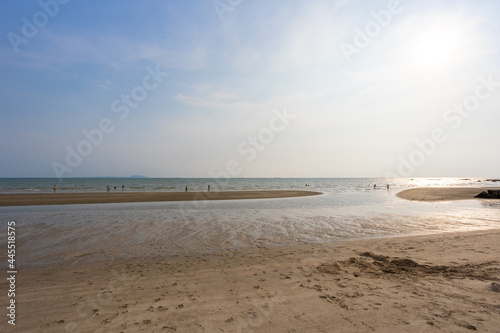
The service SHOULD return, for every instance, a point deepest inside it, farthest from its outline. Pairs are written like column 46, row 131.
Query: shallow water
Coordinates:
column 48, row 234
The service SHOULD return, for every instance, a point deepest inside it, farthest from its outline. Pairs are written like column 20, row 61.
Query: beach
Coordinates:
column 434, row 283
column 30, row 199
column 253, row 268
column 442, row 193
column 250, row 166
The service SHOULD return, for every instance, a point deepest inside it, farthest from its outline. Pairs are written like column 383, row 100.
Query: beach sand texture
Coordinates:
column 445, row 282
column 27, row 199
column 437, row 283
column 442, row 193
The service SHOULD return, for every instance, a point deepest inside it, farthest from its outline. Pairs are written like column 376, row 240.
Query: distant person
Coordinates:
column 123, row 187
column 186, row 189
column 115, row 188
column 55, row 188
column 208, row 188
column 387, row 186
column 108, row 188
column 374, row 186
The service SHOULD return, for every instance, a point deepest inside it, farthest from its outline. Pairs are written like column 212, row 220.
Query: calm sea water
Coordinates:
column 68, row 185
column 347, row 209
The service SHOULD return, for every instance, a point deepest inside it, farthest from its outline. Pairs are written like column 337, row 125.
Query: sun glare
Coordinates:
column 436, row 48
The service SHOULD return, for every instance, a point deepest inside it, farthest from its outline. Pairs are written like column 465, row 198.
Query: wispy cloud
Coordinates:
column 225, row 78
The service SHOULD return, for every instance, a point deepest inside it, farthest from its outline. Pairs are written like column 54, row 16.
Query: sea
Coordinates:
column 347, row 209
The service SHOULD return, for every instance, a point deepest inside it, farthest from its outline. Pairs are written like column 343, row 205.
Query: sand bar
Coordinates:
column 28, row 199
column 432, row 283
column 442, row 193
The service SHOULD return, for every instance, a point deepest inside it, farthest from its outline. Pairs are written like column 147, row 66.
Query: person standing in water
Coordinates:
column 55, row 187
column 186, row 189
column 208, row 188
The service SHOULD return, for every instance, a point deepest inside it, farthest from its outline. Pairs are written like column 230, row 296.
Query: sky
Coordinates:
column 240, row 88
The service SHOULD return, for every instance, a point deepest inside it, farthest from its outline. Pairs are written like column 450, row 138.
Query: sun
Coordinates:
column 436, row 48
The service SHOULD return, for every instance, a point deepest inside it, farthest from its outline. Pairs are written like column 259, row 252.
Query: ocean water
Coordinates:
column 347, row 209
column 67, row 185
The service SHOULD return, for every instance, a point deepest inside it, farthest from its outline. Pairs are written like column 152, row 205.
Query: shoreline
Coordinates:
column 443, row 282
column 35, row 199
column 435, row 194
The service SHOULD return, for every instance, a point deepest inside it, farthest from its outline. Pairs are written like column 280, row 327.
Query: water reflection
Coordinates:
column 58, row 233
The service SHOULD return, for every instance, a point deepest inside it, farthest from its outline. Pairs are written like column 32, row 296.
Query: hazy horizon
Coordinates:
column 270, row 177
column 250, row 89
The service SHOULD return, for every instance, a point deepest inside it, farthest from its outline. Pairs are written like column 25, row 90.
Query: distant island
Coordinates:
column 133, row 176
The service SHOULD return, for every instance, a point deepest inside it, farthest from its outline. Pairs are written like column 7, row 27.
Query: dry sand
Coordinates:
column 442, row 193
column 28, row 199
column 433, row 283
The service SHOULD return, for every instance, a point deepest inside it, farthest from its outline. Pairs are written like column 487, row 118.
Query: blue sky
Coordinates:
column 250, row 88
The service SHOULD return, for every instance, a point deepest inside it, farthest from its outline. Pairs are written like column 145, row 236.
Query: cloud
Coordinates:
column 225, row 79
column 56, row 50
column 220, row 100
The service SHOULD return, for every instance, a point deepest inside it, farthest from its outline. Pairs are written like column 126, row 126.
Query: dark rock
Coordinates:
column 495, row 287
column 485, row 195
column 494, row 193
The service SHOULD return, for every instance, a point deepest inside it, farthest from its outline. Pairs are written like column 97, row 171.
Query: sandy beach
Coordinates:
column 250, row 166
column 29, row 199
column 443, row 282
column 437, row 283
column 442, row 193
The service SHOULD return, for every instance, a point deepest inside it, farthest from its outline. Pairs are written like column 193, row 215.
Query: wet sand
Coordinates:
column 433, row 283
column 442, row 193
column 29, row 199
